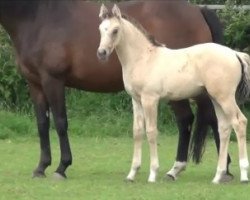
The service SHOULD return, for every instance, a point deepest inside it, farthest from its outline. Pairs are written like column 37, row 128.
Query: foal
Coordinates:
column 152, row 72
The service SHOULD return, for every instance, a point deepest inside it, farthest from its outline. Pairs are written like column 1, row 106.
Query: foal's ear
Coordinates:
column 116, row 12
column 103, row 12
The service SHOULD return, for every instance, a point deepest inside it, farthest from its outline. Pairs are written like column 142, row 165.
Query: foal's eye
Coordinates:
column 115, row 32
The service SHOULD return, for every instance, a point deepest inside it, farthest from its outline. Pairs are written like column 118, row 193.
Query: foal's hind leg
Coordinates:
column 42, row 115
column 55, row 93
column 224, row 128
column 206, row 116
column 150, row 106
column 138, row 129
column 184, row 119
column 239, row 123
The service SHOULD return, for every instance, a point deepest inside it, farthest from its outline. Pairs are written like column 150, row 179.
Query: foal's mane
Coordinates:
column 150, row 37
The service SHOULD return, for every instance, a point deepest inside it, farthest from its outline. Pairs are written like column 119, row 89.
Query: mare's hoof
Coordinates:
column 37, row 174
column 58, row 176
column 170, row 177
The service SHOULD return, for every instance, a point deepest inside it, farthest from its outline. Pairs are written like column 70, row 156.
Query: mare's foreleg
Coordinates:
column 55, row 93
column 150, row 106
column 184, row 118
column 138, row 130
column 41, row 108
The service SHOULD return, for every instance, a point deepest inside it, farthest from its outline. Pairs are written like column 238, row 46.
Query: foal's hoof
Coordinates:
column 38, row 174
column 59, row 177
column 170, row 177
column 225, row 178
column 245, row 182
column 129, row 180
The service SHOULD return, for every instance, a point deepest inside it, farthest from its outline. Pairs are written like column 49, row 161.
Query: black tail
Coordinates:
column 205, row 113
column 214, row 24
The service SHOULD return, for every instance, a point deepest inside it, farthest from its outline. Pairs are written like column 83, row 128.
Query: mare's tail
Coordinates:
column 205, row 114
column 243, row 89
column 214, row 24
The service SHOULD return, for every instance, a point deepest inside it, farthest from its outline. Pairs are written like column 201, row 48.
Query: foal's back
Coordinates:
column 198, row 67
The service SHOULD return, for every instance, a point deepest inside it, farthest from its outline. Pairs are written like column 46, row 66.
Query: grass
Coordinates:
column 100, row 135
column 100, row 166
column 89, row 114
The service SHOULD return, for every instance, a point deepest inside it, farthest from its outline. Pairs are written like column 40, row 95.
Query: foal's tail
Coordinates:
column 243, row 89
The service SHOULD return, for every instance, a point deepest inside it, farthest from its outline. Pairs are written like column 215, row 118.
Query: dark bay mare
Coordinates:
column 55, row 44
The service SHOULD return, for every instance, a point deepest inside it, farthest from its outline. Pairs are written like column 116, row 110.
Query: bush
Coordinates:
column 237, row 26
column 13, row 91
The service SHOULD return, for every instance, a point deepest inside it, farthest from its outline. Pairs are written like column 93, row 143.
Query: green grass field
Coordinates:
column 102, row 150
column 100, row 166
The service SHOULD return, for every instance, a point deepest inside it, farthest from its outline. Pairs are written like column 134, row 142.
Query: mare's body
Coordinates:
column 55, row 44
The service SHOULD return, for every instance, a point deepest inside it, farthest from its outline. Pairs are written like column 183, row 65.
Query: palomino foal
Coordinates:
column 152, row 71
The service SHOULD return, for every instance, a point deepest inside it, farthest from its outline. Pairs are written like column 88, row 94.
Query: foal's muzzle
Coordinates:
column 102, row 54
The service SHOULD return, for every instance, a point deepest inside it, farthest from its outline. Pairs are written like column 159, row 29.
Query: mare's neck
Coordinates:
column 133, row 45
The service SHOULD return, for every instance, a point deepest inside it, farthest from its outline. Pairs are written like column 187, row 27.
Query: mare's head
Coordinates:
column 110, row 31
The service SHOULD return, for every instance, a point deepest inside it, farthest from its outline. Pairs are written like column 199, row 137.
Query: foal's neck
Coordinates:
column 133, row 46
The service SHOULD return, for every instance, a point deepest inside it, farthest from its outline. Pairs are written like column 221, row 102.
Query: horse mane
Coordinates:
column 150, row 37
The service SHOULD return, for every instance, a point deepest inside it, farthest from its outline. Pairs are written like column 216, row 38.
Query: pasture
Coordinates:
column 101, row 143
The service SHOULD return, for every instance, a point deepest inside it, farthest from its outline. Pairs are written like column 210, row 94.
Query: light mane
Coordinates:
column 150, row 37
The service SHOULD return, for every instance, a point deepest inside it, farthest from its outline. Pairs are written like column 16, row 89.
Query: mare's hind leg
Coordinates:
column 42, row 115
column 150, row 106
column 184, row 118
column 55, row 93
column 138, row 130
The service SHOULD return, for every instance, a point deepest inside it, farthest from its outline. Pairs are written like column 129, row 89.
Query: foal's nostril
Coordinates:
column 102, row 52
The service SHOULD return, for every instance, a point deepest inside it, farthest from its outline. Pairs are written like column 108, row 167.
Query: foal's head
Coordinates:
column 110, row 31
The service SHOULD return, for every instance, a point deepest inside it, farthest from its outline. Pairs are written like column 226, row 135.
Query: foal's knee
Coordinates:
column 138, row 134
column 152, row 135
column 224, row 131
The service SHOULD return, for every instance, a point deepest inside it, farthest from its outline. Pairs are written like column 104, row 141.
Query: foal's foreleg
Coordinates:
column 150, row 105
column 42, row 115
column 138, row 129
